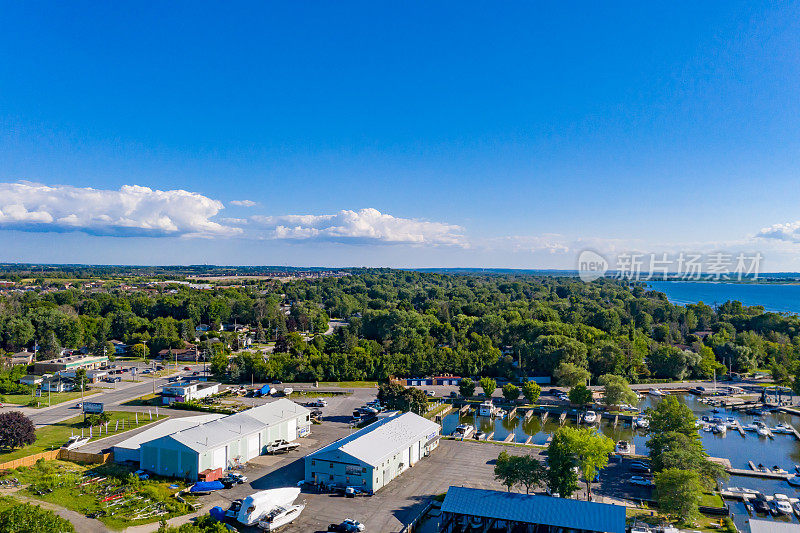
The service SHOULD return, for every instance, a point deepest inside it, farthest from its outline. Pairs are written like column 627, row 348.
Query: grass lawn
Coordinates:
column 651, row 516
column 148, row 400
column 712, row 500
column 55, row 435
column 349, row 384
column 59, row 482
column 55, row 398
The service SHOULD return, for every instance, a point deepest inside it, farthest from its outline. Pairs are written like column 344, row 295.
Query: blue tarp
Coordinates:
column 206, row 486
column 217, row 513
column 265, row 390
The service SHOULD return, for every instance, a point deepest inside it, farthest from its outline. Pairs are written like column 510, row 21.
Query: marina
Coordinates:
column 758, row 445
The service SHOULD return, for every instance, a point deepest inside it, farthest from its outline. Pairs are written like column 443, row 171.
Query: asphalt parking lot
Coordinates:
column 453, row 463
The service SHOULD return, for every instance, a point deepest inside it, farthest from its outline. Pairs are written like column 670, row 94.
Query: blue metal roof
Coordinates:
column 545, row 510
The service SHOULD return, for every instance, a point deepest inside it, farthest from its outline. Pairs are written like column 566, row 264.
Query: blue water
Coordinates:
column 774, row 297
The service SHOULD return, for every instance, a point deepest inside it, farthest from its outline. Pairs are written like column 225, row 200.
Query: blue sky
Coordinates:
column 413, row 134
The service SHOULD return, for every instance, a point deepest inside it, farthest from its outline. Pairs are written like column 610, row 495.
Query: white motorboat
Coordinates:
column 794, row 480
column 782, row 504
column 623, row 446
column 261, row 503
column 590, row 417
column 720, row 428
column 778, row 470
column 280, row 516
column 782, row 428
column 655, row 392
column 463, row 431
column 486, row 409
column 75, row 441
column 641, row 422
column 708, row 428
column 763, row 432
column 750, row 427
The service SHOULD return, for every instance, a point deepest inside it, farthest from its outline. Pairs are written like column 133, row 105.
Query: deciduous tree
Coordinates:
column 16, row 430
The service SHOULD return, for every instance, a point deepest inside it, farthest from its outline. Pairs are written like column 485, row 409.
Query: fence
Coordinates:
column 65, row 455
column 409, row 528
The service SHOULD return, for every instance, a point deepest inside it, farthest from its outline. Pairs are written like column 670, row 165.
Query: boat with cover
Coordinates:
column 261, row 503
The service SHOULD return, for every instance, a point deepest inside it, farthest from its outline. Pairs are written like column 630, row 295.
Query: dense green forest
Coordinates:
column 410, row 323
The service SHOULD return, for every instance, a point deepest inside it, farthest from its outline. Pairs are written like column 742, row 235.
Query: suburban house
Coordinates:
column 57, row 384
column 31, row 379
column 119, row 347
column 189, row 352
column 21, row 358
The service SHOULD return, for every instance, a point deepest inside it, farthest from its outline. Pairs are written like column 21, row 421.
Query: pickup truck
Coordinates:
column 281, row 446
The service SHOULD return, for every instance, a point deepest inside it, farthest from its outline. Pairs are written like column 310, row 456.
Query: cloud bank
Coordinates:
column 243, row 203
column 131, row 211
column 789, row 232
column 365, row 226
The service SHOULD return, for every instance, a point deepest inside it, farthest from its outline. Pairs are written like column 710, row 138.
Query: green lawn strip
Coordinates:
column 711, row 500
column 55, row 435
column 148, row 400
column 55, row 398
column 433, row 412
column 349, row 384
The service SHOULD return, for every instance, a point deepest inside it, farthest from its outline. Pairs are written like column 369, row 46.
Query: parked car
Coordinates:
column 640, row 468
column 430, row 393
column 453, row 394
column 640, row 481
column 141, row 474
column 187, row 368
column 347, row 526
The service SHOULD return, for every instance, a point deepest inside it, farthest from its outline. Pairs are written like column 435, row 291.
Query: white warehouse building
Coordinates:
column 374, row 455
column 225, row 442
column 130, row 448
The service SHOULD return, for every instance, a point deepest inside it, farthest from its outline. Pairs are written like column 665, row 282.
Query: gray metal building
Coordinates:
column 226, row 442
column 372, row 456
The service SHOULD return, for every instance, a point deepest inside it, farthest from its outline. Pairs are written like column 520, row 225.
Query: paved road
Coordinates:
column 124, row 392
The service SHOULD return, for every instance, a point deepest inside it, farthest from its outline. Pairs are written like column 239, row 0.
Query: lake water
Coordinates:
column 783, row 450
column 781, row 298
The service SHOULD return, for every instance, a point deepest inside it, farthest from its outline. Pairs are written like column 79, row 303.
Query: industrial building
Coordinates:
column 226, row 442
column 130, row 448
column 466, row 509
column 372, row 456
column 72, row 362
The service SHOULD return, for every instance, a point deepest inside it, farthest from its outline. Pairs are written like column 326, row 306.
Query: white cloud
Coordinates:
column 789, row 232
column 365, row 226
column 243, row 203
column 130, row 211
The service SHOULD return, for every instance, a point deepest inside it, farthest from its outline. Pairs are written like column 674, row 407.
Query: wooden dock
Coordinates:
column 756, row 473
column 529, row 439
column 510, row 438
column 616, row 420
column 464, row 409
column 562, row 418
column 512, row 414
column 738, row 427
column 544, row 415
column 490, row 435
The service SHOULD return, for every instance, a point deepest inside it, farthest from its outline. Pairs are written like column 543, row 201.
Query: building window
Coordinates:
column 330, row 477
column 330, row 465
column 312, row 462
column 364, row 469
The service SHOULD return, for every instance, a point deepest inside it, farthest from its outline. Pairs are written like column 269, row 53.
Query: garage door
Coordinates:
column 291, row 430
column 219, row 459
column 252, row 446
